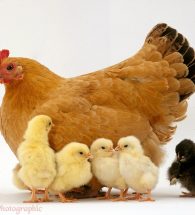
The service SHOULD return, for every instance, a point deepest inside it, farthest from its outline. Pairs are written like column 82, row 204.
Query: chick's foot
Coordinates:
column 185, row 194
column 136, row 196
column 148, row 198
column 34, row 198
column 122, row 196
column 107, row 195
column 86, row 192
column 46, row 197
column 64, row 199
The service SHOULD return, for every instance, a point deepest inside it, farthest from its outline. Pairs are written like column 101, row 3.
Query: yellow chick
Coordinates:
column 139, row 172
column 73, row 169
column 37, row 159
column 105, row 167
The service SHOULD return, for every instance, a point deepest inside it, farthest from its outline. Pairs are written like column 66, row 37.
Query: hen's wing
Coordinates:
column 85, row 109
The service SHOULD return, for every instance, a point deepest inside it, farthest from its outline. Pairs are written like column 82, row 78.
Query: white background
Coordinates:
column 73, row 37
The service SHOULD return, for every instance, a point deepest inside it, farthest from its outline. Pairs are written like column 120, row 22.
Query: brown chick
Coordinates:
column 141, row 96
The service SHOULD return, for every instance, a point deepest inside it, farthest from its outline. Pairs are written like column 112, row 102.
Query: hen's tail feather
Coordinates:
column 171, row 44
column 191, row 72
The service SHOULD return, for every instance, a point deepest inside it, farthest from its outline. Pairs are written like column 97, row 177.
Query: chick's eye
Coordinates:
column 81, row 153
column 10, row 67
column 102, row 147
column 49, row 123
column 125, row 146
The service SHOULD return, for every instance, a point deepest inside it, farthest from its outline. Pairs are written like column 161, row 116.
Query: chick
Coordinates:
column 182, row 169
column 139, row 172
column 73, row 169
column 105, row 167
column 37, row 159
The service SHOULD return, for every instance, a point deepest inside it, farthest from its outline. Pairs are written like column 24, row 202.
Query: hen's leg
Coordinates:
column 34, row 198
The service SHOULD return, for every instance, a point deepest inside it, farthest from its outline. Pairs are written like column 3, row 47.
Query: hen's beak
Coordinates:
column 118, row 148
column 89, row 156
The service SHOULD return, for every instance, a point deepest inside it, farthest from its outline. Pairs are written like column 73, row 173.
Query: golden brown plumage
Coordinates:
column 140, row 96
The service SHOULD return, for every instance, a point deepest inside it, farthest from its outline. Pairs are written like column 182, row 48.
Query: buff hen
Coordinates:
column 141, row 96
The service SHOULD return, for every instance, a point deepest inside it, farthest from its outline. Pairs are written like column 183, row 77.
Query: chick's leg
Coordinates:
column 122, row 196
column 148, row 198
column 46, row 196
column 63, row 199
column 137, row 196
column 34, row 198
column 107, row 195
column 185, row 194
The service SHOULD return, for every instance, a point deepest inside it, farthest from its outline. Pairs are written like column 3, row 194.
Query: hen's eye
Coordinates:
column 125, row 146
column 102, row 147
column 10, row 67
column 81, row 153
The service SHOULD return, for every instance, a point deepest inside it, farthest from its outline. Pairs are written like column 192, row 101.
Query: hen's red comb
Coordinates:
column 4, row 53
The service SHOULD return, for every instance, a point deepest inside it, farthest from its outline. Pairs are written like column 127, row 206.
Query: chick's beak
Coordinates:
column 89, row 156
column 118, row 148
column 180, row 158
column 111, row 149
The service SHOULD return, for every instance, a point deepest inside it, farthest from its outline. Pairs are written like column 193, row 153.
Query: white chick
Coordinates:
column 37, row 159
column 105, row 167
column 137, row 169
column 73, row 169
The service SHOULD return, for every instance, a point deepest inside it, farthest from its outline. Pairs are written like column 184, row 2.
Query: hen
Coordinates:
column 141, row 96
